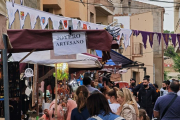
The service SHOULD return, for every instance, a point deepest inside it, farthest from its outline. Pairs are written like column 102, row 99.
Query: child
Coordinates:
column 143, row 115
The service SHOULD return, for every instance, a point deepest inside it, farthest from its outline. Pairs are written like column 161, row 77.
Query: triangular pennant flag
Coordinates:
column 65, row 24
column 33, row 18
column 75, row 24
column 126, row 34
column 151, row 36
column 11, row 12
column 135, row 32
column 55, row 21
column 22, row 15
column 159, row 37
column 173, row 37
column 84, row 26
column 144, row 37
column 178, row 38
column 166, row 38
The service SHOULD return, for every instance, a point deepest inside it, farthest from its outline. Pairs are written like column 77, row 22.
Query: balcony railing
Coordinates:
column 105, row 3
column 138, row 49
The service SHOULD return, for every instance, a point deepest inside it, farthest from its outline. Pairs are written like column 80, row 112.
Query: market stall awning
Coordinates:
column 46, row 58
column 26, row 40
column 116, row 58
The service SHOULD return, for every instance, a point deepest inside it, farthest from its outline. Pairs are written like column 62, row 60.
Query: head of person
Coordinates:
column 105, row 81
column 174, row 86
column 146, row 82
column 113, row 95
column 96, row 103
column 81, row 97
column 125, row 96
column 147, row 76
column 143, row 115
column 87, row 81
column 156, row 86
column 165, row 84
column 132, row 82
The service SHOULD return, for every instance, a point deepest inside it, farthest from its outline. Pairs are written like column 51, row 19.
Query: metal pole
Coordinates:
column 5, row 79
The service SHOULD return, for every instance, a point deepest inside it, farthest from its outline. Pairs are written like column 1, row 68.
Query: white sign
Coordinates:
column 66, row 44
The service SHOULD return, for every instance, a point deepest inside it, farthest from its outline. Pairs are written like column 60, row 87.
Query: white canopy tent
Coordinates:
column 47, row 58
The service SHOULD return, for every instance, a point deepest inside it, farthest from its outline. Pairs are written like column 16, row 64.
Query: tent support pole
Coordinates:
column 27, row 55
column 5, row 79
column 56, row 92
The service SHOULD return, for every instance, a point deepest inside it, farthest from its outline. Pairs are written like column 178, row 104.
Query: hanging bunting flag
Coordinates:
column 55, row 21
column 151, row 36
column 11, row 12
column 44, row 19
column 22, row 15
column 178, row 38
column 65, row 23
column 159, row 37
column 135, row 32
column 173, row 37
column 84, row 27
column 33, row 17
column 144, row 37
column 75, row 24
column 166, row 38
column 126, row 34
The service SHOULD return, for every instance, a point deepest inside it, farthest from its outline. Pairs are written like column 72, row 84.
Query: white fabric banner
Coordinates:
column 66, row 44
column 126, row 34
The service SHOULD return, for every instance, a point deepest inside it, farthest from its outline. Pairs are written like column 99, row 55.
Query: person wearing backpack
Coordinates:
column 167, row 106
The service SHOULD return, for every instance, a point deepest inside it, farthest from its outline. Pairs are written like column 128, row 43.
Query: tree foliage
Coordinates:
column 176, row 57
column 170, row 52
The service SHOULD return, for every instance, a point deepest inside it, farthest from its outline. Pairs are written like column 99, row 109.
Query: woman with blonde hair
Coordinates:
column 129, row 107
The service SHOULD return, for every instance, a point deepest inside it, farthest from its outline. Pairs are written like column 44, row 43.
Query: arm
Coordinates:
column 154, row 96
column 139, row 97
column 127, row 114
column 136, row 89
column 156, row 109
column 156, row 114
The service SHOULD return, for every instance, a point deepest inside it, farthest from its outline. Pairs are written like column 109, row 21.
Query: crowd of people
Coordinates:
column 144, row 101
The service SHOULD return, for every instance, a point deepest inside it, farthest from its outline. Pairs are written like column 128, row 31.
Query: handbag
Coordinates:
column 165, row 110
column 115, row 77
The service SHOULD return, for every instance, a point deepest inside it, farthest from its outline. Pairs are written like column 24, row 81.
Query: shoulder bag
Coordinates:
column 165, row 110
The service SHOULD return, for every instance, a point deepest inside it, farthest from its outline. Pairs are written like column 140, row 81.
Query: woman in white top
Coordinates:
column 113, row 99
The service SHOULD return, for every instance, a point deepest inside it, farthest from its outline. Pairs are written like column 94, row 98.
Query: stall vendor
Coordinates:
column 61, row 115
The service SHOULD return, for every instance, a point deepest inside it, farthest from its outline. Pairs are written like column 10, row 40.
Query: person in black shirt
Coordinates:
column 140, row 85
column 146, row 97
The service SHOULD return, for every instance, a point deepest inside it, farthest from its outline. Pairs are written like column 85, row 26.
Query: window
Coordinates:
column 138, row 49
column 91, row 17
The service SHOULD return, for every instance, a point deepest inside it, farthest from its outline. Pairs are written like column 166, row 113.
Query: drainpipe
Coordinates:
column 129, row 5
column 121, row 9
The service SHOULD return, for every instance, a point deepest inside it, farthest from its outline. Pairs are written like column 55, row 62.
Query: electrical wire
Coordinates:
column 121, row 7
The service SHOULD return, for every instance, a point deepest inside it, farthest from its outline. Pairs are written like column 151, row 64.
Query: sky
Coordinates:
column 169, row 13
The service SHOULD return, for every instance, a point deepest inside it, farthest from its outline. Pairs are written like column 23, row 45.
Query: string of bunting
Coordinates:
column 60, row 22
